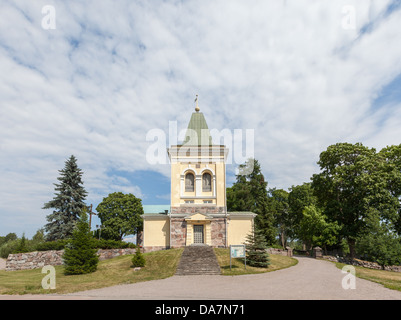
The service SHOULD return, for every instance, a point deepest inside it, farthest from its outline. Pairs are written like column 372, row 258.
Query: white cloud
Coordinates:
column 112, row 71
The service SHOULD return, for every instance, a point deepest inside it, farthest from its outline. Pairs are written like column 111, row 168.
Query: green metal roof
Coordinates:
column 155, row 208
column 241, row 213
column 198, row 133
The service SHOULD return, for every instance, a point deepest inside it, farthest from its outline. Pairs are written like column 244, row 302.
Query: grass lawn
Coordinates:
column 159, row 265
column 389, row 279
column 238, row 266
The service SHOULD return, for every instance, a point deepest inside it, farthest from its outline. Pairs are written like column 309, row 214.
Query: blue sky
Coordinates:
column 302, row 74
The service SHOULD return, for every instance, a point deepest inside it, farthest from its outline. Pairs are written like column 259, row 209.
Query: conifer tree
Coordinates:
column 80, row 255
column 22, row 245
column 256, row 254
column 67, row 203
column 138, row 259
column 249, row 193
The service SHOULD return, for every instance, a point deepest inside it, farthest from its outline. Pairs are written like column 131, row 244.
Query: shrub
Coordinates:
column 256, row 254
column 22, row 245
column 52, row 245
column 98, row 244
column 112, row 244
column 138, row 260
column 8, row 247
column 79, row 255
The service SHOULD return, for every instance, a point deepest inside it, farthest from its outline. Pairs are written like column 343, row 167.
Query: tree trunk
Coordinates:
column 283, row 239
column 351, row 244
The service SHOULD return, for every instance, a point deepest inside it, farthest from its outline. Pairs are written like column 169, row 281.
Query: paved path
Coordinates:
column 2, row 264
column 309, row 279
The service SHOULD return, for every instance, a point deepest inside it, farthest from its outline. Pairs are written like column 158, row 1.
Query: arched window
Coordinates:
column 206, row 182
column 189, row 182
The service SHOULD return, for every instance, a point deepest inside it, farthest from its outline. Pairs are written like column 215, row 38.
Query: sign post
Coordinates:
column 237, row 251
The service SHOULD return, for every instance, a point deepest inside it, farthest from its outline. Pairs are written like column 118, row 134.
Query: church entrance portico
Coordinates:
column 198, row 229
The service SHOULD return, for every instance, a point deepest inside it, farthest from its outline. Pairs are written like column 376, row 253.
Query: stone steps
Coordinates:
column 198, row 260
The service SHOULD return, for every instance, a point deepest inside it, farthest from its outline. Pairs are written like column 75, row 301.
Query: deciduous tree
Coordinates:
column 120, row 215
column 353, row 181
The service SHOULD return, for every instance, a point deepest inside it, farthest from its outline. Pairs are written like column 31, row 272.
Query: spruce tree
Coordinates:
column 80, row 255
column 249, row 193
column 67, row 203
column 138, row 259
column 256, row 250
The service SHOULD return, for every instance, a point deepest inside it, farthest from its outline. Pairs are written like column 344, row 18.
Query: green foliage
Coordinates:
column 353, row 180
column 112, row 244
column 120, row 214
column 38, row 237
column 98, row 244
column 12, row 244
column 67, row 203
column 315, row 230
column 138, row 259
column 249, row 193
column 9, row 237
column 22, row 245
column 299, row 198
column 80, row 255
column 8, row 247
column 52, row 245
column 256, row 246
column 278, row 206
column 379, row 243
column 390, row 158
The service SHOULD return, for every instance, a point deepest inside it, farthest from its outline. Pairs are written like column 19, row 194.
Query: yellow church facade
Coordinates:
column 198, row 210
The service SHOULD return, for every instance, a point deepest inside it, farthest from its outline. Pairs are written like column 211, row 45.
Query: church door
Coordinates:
column 198, row 233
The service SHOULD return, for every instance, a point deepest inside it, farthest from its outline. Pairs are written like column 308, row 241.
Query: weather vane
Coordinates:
column 196, row 106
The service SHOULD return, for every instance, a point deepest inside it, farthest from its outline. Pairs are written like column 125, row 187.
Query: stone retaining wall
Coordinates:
column 362, row 263
column 154, row 248
column 39, row 259
column 284, row 252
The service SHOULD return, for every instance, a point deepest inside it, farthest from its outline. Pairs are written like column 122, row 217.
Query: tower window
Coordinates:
column 189, row 182
column 206, row 182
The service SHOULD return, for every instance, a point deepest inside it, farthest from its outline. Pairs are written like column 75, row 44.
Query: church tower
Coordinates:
column 198, row 170
column 197, row 213
column 198, row 186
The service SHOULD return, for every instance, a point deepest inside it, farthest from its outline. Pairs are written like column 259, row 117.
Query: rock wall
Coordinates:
column 154, row 248
column 362, row 263
column 34, row 260
column 178, row 232
column 39, row 259
column 284, row 252
column 218, row 232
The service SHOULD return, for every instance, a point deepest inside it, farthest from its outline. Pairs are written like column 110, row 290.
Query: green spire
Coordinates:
column 198, row 133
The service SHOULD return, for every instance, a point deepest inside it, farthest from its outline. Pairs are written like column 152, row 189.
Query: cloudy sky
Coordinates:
column 93, row 78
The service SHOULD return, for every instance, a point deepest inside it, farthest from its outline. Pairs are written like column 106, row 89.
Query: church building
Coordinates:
column 198, row 210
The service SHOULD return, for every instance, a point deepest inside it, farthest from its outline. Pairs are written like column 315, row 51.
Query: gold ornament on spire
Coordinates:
column 196, row 106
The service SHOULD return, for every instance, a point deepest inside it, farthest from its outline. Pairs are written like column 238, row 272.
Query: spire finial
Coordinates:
column 196, row 106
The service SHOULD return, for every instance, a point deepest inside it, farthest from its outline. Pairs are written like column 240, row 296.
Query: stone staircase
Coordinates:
column 198, row 260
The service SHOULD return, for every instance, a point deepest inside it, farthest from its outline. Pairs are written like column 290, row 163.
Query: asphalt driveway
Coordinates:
column 309, row 279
